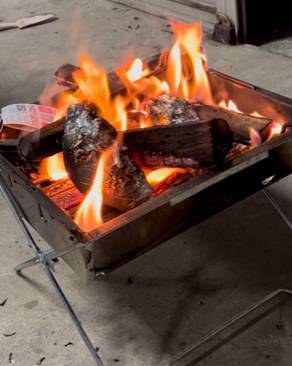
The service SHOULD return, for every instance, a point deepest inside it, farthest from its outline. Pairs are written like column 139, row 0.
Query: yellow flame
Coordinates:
column 53, row 167
column 276, row 130
column 89, row 214
column 136, row 70
column 174, row 68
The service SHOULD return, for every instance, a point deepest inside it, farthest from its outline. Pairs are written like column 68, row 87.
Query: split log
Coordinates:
column 47, row 141
column 186, row 144
column 86, row 137
column 238, row 122
column 64, row 74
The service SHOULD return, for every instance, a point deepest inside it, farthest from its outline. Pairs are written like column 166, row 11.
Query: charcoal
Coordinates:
column 154, row 159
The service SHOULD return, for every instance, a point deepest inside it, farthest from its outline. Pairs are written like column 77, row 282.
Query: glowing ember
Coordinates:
column 53, row 167
column 89, row 214
column 158, row 176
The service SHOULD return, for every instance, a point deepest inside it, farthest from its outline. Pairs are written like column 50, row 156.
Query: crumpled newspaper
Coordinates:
column 26, row 117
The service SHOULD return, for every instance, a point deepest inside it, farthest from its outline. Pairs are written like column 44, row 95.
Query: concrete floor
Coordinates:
column 280, row 46
column 184, row 288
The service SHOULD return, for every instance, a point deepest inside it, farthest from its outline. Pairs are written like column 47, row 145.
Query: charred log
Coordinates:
column 48, row 140
column 238, row 122
column 43, row 142
column 86, row 137
column 186, row 144
column 167, row 109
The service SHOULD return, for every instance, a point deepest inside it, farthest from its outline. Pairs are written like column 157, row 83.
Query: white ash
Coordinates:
column 167, row 109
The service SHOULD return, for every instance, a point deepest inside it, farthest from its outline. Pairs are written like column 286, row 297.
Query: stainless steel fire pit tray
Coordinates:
column 137, row 231
column 144, row 227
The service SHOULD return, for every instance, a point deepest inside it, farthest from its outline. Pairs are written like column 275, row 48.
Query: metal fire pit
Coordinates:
column 162, row 217
column 144, row 227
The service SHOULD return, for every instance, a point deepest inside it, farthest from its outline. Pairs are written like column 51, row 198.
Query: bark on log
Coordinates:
column 48, row 140
column 185, row 144
column 238, row 122
column 43, row 142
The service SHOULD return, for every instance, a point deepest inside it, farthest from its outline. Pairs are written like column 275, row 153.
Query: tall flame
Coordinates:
column 89, row 213
column 190, row 61
column 185, row 76
column 53, row 167
column 174, row 68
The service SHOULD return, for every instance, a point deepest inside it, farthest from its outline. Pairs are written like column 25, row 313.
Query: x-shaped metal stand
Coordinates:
column 46, row 260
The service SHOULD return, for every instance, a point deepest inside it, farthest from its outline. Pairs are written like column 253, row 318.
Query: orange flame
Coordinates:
column 89, row 213
column 185, row 77
column 230, row 105
column 276, row 130
column 256, row 114
column 136, row 70
column 255, row 137
column 174, row 68
column 187, row 63
column 53, row 167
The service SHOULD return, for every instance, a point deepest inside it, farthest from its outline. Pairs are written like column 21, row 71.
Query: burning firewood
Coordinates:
column 239, row 123
column 186, row 144
column 43, row 142
column 167, row 109
column 86, row 137
column 159, row 111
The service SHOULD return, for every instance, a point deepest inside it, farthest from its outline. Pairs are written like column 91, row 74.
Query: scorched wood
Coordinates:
column 238, row 122
column 47, row 141
column 43, row 142
column 185, row 144
column 86, row 137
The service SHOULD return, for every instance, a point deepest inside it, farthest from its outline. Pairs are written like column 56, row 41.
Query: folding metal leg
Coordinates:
column 195, row 352
column 277, row 208
column 46, row 260
column 208, row 344
column 224, row 333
